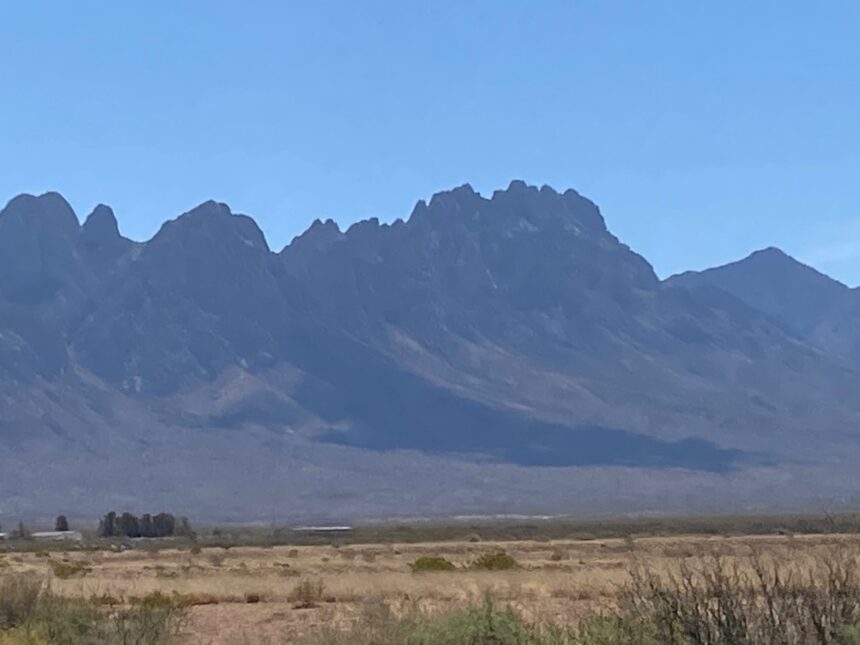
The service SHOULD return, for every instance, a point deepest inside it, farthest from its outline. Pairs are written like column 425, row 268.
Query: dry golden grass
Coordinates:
column 243, row 594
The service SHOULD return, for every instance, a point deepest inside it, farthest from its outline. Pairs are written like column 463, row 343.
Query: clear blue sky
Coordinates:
column 704, row 130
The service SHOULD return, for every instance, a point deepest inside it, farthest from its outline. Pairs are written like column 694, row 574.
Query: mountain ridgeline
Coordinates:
column 512, row 335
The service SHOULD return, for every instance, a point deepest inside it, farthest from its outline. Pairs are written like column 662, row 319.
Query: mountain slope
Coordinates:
column 512, row 335
column 526, row 301
column 817, row 308
column 775, row 283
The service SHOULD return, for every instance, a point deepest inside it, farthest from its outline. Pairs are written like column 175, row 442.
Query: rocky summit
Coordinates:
column 494, row 354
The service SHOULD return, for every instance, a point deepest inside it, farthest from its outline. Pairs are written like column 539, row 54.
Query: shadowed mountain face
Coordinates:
column 503, row 332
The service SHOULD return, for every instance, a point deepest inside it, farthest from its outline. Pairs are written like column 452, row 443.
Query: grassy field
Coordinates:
column 318, row 593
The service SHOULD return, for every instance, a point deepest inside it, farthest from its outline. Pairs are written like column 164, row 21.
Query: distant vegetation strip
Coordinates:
column 179, row 531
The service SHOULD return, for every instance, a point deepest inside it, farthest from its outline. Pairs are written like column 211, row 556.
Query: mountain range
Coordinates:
column 502, row 354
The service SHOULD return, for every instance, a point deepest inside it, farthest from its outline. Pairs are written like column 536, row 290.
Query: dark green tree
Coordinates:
column 22, row 532
column 147, row 528
column 129, row 525
column 61, row 523
column 108, row 526
column 165, row 524
column 184, row 528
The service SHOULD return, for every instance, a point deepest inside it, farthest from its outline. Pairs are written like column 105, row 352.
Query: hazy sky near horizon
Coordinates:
column 704, row 130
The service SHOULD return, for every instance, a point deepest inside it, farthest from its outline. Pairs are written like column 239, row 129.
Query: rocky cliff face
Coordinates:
column 514, row 329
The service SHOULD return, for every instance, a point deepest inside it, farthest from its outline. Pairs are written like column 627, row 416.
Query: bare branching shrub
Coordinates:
column 376, row 623
column 487, row 624
column 759, row 601
column 155, row 600
column 158, row 626
column 307, row 594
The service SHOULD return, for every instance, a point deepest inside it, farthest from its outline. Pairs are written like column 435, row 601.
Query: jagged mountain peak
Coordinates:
column 318, row 236
column 328, row 225
column 446, row 205
column 519, row 207
column 100, row 242
column 37, row 248
column 364, row 229
column 215, row 223
column 100, row 226
column 545, row 206
column 210, row 207
column 48, row 211
column 513, row 327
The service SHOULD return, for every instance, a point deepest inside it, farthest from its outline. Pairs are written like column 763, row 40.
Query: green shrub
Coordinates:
column 144, row 625
column 499, row 561
column 31, row 614
column 615, row 630
column 65, row 570
column 485, row 624
column 431, row 563
column 105, row 599
column 377, row 624
column 19, row 597
column 64, row 621
column 849, row 636
column 156, row 600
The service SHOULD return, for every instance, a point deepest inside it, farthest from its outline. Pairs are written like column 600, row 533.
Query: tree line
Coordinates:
column 149, row 526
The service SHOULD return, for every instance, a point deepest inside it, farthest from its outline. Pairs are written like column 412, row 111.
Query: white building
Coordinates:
column 70, row 536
